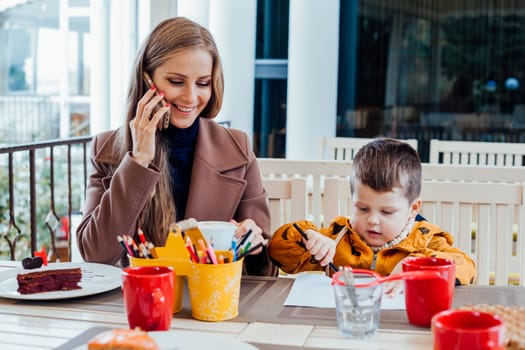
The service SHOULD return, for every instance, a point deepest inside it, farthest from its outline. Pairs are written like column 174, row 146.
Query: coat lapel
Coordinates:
column 217, row 182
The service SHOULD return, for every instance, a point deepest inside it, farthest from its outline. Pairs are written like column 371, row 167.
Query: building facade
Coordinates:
column 295, row 70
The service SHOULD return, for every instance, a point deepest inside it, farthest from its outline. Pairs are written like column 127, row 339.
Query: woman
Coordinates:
column 149, row 176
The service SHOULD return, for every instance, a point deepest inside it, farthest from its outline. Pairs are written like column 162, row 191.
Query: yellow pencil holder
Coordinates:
column 214, row 290
column 174, row 254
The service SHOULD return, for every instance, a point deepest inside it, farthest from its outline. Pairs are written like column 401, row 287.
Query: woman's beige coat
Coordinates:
column 226, row 184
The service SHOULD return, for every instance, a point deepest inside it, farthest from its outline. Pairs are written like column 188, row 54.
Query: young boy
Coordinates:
column 385, row 227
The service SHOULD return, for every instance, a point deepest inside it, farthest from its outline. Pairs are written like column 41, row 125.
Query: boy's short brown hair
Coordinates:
column 386, row 163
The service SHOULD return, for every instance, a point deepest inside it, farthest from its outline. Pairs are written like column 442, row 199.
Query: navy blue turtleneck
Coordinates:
column 181, row 148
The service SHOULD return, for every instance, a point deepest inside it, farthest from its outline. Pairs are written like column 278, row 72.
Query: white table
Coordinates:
column 263, row 322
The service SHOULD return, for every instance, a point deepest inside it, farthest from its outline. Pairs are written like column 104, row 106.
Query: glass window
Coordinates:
column 272, row 29
column 79, row 42
column 44, row 90
column 19, row 59
column 270, row 118
column 432, row 69
column 270, row 78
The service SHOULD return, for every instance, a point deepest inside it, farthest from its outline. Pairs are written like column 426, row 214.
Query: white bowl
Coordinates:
column 220, row 233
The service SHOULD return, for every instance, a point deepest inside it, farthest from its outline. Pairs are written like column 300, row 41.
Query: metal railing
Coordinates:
column 30, row 209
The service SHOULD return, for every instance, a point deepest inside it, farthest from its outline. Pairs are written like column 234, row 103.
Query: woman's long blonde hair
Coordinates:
column 168, row 38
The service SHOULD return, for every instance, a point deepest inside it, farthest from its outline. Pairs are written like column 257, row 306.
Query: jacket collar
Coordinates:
column 418, row 238
column 107, row 152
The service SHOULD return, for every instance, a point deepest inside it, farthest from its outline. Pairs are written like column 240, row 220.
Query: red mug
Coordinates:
column 148, row 297
column 426, row 297
column 465, row 329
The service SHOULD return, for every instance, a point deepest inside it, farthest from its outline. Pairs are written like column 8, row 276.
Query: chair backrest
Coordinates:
column 313, row 170
column 337, row 200
column 345, row 148
column 481, row 217
column 287, row 200
column 477, row 153
column 469, row 173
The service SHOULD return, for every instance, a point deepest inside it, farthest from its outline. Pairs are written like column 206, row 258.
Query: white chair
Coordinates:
column 287, row 200
column 463, row 156
column 469, row 173
column 336, row 200
column 345, row 148
column 493, row 207
column 453, row 206
column 313, row 170
column 476, row 153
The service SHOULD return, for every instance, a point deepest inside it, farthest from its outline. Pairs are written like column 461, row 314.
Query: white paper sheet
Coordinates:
column 315, row 290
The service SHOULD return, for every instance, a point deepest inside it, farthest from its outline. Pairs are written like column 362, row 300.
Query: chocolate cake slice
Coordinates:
column 49, row 280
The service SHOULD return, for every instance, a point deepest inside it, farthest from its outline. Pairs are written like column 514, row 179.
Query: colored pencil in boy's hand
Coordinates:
column 332, row 267
column 300, row 230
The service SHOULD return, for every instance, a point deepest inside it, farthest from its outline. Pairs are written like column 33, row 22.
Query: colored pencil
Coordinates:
column 330, row 264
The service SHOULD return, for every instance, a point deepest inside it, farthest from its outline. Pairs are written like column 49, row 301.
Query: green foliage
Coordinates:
column 21, row 194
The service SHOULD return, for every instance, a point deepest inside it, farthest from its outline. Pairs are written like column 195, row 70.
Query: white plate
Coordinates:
column 96, row 278
column 186, row 340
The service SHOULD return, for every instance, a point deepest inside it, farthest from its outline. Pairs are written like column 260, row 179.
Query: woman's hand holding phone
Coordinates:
column 144, row 126
column 165, row 122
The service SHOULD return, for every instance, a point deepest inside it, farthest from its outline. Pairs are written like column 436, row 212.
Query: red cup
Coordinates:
column 464, row 329
column 148, row 297
column 426, row 297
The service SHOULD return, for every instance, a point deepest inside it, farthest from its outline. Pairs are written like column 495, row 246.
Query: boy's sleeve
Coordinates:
column 287, row 250
column 441, row 247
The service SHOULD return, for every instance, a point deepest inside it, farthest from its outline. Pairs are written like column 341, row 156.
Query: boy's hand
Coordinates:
column 321, row 247
column 392, row 289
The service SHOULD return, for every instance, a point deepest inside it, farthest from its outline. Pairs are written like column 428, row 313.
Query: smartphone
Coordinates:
column 165, row 121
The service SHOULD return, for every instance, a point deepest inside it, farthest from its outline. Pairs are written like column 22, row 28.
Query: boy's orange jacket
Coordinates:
column 288, row 252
